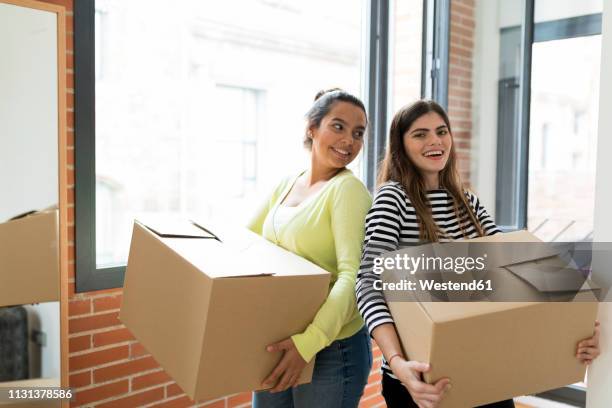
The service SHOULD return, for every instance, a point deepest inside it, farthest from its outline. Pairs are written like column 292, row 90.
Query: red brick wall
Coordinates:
column 460, row 80
column 107, row 366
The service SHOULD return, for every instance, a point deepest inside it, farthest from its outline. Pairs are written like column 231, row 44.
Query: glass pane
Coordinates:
column 199, row 109
column 405, row 51
column 563, row 123
column 563, row 134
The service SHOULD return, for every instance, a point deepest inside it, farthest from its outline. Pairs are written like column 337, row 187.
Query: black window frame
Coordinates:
column 435, row 53
column 376, row 85
column 88, row 276
column 512, row 190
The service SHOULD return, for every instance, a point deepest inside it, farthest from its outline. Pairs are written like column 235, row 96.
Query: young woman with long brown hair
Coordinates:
column 420, row 199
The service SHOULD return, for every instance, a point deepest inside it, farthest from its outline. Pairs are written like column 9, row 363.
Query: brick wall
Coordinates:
column 107, row 366
column 460, row 80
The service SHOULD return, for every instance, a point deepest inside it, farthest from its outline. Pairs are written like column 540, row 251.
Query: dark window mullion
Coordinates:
column 376, row 86
column 88, row 276
column 524, row 113
column 441, row 48
column 435, row 51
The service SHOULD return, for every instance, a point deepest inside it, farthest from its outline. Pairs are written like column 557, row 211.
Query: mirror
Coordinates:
column 32, row 140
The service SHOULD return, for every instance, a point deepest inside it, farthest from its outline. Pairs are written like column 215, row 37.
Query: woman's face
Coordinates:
column 428, row 143
column 339, row 137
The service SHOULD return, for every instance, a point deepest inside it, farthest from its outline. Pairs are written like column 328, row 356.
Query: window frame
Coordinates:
column 376, row 84
column 531, row 32
column 436, row 42
column 88, row 276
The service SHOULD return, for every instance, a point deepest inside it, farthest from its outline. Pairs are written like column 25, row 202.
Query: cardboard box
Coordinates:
column 206, row 304
column 29, row 259
column 493, row 351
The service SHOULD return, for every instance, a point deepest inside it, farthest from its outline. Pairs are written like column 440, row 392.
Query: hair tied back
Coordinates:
column 325, row 91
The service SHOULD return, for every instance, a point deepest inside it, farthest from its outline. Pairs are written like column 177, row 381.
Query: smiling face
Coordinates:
column 428, row 144
column 339, row 138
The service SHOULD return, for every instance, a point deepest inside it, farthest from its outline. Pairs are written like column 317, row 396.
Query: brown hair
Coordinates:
column 323, row 103
column 397, row 166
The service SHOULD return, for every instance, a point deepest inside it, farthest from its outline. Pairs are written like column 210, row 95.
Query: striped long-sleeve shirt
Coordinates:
column 392, row 224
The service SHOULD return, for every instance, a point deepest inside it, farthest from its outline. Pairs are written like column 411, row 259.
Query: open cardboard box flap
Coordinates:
column 552, row 278
column 175, row 228
column 226, row 252
column 32, row 213
column 504, row 249
column 538, row 265
column 202, row 249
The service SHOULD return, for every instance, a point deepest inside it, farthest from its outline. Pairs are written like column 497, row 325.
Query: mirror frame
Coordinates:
column 63, row 170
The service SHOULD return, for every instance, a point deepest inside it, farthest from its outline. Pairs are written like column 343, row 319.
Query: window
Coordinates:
column 183, row 111
column 549, row 131
column 561, row 195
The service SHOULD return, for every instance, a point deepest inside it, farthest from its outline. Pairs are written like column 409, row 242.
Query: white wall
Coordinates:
column 599, row 392
column 28, row 110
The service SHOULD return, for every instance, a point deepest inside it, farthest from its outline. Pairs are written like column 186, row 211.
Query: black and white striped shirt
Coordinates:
column 392, row 224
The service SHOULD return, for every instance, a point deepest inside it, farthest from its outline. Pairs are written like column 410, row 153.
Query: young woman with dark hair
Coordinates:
column 319, row 215
column 420, row 199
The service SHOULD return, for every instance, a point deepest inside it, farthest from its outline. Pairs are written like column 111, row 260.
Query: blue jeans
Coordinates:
column 340, row 374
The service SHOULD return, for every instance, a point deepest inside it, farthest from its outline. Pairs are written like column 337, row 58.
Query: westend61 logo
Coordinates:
column 423, row 263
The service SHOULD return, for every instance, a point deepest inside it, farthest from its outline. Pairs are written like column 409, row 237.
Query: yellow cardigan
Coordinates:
column 328, row 230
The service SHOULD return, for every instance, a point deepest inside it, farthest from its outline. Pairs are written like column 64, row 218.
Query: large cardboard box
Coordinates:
column 206, row 304
column 493, row 351
column 29, row 259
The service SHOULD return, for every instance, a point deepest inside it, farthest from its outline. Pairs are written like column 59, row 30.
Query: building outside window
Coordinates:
column 199, row 110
